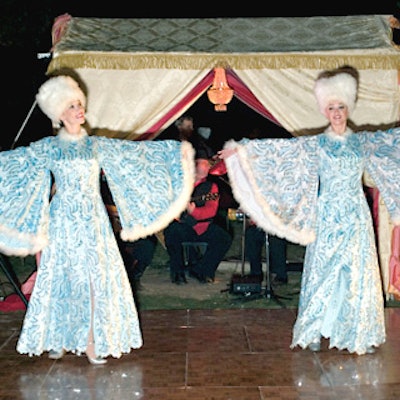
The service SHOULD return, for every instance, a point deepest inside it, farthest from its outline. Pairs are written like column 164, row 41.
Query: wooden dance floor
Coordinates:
column 238, row 354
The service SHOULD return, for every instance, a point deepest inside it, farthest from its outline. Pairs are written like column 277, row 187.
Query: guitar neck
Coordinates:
column 205, row 197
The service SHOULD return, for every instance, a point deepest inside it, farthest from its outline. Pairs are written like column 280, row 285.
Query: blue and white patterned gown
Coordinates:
column 309, row 190
column 151, row 183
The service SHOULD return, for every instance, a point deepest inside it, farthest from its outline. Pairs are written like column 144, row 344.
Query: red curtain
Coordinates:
column 242, row 93
column 245, row 95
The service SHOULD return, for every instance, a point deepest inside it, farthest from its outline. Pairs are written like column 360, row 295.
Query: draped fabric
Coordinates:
column 388, row 241
column 243, row 93
column 80, row 263
column 309, row 190
column 179, row 108
column 394, row 264
column 288, row 95
column 129, row 104
column 126, row 104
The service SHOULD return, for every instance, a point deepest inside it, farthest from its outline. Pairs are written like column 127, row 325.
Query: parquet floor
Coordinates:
column 240, row 354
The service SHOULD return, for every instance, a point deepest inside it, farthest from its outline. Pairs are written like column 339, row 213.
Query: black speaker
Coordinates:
column 244, row 284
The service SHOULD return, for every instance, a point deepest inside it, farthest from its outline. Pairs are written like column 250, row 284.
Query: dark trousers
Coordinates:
column 137, row 256
column 218, row 241
column 255, row 240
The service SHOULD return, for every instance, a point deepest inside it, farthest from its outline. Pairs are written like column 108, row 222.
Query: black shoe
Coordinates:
column 209, row 279
column 176, row 278
column 183, row 277
column 179, row 278
column 279, row 281
column 195, row 275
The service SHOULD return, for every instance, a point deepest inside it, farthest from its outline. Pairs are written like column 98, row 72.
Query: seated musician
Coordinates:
column 197, row 224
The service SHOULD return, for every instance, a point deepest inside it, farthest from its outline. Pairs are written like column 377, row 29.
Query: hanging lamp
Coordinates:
column 220, row 94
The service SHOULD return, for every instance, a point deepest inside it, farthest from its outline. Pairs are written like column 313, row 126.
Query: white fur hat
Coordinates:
column 56, row 94
column 337, row 85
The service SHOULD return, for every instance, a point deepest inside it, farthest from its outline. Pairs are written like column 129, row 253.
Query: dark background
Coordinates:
column 25, row 31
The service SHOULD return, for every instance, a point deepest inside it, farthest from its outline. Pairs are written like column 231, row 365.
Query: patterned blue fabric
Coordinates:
column 310, row 191
column 151, row 183
column 276, row 183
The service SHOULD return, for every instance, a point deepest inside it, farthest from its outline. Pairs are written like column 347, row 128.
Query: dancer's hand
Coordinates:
column 225, row 153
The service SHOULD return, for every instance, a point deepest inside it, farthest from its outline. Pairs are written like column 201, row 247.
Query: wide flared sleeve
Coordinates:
column 275, row 181
column 150, row 181
column 382, row 154
column 24, row 198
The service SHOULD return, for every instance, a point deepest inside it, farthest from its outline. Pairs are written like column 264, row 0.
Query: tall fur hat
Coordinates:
column 340, row 84
column 56, row 94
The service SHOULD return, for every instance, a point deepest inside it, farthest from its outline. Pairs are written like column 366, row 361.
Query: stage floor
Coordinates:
column 207, row 354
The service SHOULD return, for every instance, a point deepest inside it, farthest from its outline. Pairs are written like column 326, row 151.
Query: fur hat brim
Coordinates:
column 341, row 87
column 55, row 96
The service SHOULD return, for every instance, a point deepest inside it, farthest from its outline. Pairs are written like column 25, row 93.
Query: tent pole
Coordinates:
column 24, row 123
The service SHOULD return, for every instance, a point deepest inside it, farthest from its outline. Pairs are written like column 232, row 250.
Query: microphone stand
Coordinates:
column 268, row 288
column 243, row 242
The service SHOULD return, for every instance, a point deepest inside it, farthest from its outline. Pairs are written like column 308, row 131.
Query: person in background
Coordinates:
column 137, row 257
column 316, row 198
column 255, row 240
column 196, row 224
column 82, row 301
column 186, row 131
